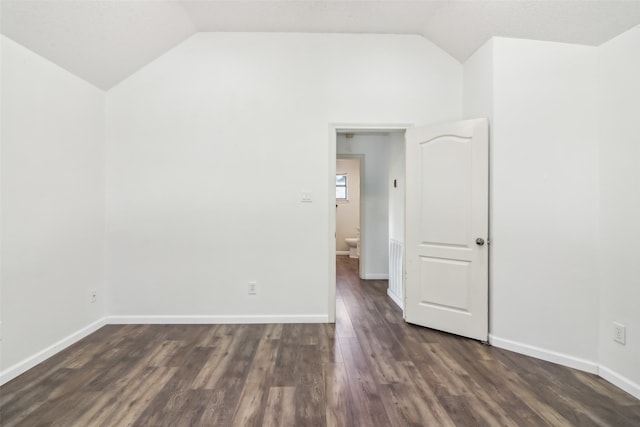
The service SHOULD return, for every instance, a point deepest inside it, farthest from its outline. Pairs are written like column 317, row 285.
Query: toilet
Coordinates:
column 354, row 244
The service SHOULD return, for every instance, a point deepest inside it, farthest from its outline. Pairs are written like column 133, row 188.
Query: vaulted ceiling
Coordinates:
column 103, row 42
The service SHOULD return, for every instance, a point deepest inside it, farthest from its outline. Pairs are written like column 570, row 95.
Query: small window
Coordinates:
column 341, row 187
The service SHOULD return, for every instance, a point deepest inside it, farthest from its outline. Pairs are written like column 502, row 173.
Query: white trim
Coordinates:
column 342, row 252
column 30, row 362
column 331, row 223
column 376, row 276
column 605, row 373
column 395, row 298
column 213, row 320
column 619, row 381
column 544, row 354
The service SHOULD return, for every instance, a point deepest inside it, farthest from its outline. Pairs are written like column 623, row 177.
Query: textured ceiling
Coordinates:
column 103, row 42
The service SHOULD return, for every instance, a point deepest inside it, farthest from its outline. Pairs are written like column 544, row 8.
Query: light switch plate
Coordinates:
column 306, row 197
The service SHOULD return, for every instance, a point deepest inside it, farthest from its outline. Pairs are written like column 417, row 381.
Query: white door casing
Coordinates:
column 447, row 223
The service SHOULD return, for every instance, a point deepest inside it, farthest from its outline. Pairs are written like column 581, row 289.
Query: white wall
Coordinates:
column 201, row 181
column 348, row 211
column 545, row 196
column 478, row 94
column 619, row 66
column 374, row 220
column 540, row 97
column 52, row 206
column 396, row 217
column 396, row 194
column 478, row 84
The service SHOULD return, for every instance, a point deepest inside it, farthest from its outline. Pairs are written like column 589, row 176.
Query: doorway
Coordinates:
column 381, row 150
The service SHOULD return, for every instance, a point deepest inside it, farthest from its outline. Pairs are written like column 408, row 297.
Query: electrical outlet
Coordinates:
column 93, row 294
column 619, row 333
column 252, row 289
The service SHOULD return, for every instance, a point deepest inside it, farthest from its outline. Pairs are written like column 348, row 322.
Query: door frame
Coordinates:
column 334, row 128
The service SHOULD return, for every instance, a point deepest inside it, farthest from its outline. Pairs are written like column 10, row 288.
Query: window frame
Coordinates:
column 345, row 186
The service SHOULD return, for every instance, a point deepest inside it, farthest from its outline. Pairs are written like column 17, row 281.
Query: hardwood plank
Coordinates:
column 410, row 375
column 20, row 403
column 242, row 353
column 405, row 406
column 170, row 399
column 328, row 349
column 164, row 353
column 380, row 358
column 215, row 368
column 280, row 408
column 310, row 404
column 283, row 371
column 254, row 394
column 368, row 409
column 339, row 406
column 133, row 404
column 344, row 327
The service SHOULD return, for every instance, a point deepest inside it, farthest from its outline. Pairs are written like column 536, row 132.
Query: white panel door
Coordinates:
column 447, row 222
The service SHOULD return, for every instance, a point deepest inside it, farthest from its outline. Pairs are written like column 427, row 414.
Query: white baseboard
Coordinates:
column 603, row 372
column 619, row 381
column 342, row 252
column 395, row 298
column 21, row 367
column 248, row 319
column 544, row 354
column 375, row 276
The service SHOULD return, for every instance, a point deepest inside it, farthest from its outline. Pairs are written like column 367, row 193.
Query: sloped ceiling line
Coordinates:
column 105, row 41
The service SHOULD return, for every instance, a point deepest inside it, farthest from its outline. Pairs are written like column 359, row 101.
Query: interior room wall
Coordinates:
column 396, row 217
column 540, row 98
column 478, row 85
column 52, row 196
column 374, row 219
column 348, row 211
column 478, row 94
column 396, row 194
column 210, row 147
column 545, row 197
column 619, row 110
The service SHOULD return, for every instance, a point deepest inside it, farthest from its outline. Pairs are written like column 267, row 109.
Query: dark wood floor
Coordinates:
column 369, row 369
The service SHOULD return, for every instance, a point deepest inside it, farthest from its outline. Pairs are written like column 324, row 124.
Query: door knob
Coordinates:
column 479, row 241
